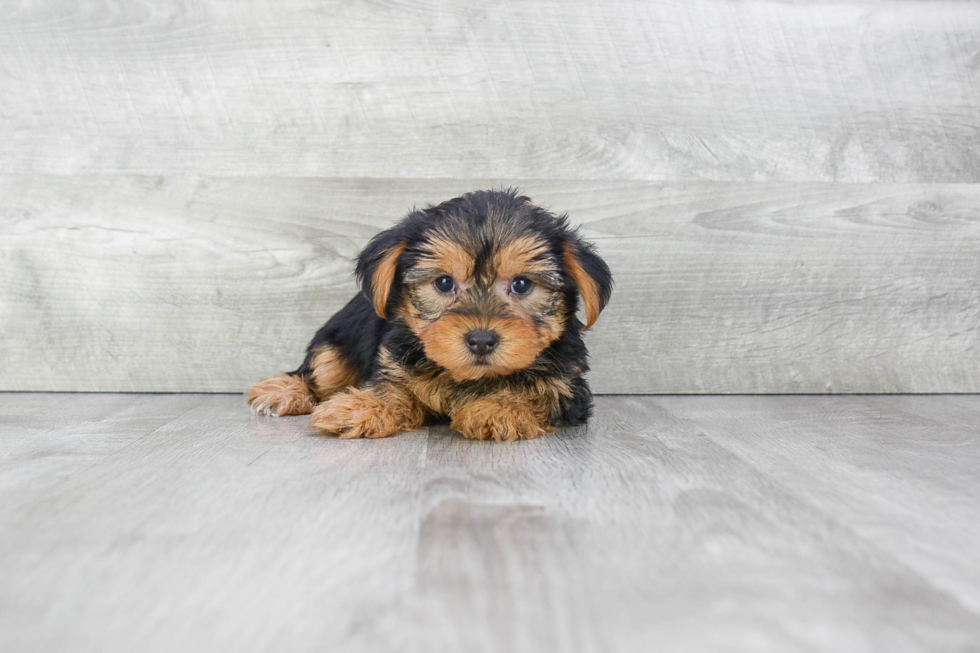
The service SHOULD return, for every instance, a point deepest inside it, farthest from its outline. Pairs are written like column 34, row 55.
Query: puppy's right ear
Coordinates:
column 377, row 266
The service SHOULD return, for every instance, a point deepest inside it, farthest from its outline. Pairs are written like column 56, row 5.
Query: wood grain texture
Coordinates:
column 132, row 283
column 526, row 89
column 880, row 461
column 783, row 524
column 164, row 535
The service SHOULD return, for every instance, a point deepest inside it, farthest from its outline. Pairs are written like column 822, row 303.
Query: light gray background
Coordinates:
column 786, row 192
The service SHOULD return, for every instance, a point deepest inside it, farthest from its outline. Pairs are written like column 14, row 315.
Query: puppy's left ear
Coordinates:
column 377, row 265
column 590, row 274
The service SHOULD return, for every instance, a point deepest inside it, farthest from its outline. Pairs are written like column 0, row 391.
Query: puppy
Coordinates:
column 468, row 314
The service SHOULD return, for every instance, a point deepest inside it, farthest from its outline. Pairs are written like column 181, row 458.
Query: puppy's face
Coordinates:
column 484, row 311
column 485, row 282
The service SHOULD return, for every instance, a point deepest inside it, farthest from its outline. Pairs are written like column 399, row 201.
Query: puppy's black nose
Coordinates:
column 481, row 341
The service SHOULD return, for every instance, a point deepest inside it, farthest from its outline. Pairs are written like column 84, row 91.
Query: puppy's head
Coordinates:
column 485, row 281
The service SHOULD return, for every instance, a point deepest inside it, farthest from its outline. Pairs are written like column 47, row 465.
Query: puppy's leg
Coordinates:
column 373, row 412
column 286, row 394
column 330, row 372
column 298, row 394
column 343, row 351
column 504, row 417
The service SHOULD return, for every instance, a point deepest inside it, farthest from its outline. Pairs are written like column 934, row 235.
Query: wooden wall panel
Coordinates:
column 208, row 283
column 787, row 191
column 522, row 89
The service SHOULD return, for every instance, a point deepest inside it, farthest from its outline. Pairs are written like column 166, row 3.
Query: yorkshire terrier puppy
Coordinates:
column 468, row 315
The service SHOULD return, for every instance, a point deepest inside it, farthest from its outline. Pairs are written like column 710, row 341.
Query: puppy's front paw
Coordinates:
column 281, row 395
column 505, row 421
column 360, row 413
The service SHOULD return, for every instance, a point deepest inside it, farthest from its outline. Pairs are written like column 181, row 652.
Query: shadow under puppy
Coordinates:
column 467, row 313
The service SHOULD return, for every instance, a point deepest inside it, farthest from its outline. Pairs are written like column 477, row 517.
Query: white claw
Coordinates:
column 265, row 408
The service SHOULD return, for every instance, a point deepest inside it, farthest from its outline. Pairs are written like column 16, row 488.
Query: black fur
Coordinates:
column 356, row 330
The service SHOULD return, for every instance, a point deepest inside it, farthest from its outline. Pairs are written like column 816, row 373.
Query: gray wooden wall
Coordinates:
column 788, row 193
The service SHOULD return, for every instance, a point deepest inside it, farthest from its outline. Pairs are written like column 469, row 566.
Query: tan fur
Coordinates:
column 443, row 343
column 431, row 390
column 548, row 393
column 384, row 276
column 281, row 395
column 522, row 257
column 422, row 302
column 587, row 288
column 446, row 256
column 520, row 344
column 435, row 390
column 331, row 373
column 374, row 412
column 503, row 417
column 409, row 314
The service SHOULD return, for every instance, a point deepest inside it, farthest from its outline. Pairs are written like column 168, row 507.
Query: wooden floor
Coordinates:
column 794, row 523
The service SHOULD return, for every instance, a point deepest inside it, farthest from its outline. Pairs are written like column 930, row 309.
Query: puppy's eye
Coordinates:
column 445, row 284
column 520, row 286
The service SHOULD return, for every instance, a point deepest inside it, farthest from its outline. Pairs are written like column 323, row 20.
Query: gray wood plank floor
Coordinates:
column 680, row 523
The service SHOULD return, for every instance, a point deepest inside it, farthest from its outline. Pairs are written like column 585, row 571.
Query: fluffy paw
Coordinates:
column 505, row 421
column 281, row 395
column 363, row 414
